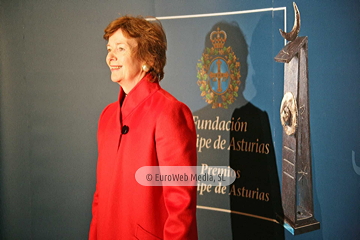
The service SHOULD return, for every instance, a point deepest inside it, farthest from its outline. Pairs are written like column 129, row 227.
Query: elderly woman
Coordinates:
column 146, row 127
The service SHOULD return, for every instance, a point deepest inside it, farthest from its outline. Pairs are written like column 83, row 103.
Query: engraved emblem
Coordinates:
column 218, row 72
column 288, row 113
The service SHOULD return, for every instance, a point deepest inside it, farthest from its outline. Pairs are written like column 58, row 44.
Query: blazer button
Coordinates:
column 124, row 129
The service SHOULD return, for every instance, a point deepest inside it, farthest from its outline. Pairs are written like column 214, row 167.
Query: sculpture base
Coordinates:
column 303, row 226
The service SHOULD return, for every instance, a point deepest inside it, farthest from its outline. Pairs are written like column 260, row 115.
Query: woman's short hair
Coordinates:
column 150, row 37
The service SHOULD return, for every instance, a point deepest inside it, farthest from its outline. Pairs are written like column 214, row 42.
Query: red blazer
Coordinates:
column 161, row 132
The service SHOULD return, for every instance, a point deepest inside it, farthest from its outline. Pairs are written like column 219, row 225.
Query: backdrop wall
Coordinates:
column 54, row 84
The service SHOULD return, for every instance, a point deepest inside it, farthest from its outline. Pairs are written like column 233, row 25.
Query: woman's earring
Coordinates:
column 145, row 68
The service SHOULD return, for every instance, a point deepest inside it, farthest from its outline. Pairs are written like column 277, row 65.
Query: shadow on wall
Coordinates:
column 254, row 198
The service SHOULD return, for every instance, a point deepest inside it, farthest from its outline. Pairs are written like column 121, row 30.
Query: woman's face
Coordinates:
column 125, row 68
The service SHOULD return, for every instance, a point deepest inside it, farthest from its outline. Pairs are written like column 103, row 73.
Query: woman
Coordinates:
column 146, row 127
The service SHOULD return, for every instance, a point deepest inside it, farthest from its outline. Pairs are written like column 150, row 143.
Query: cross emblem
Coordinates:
column 303, row 173
column 219, row 76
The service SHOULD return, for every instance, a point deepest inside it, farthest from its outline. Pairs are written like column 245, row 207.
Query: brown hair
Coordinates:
column 150, row 37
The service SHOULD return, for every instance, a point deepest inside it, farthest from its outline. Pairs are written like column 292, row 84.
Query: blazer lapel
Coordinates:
column 138, row 94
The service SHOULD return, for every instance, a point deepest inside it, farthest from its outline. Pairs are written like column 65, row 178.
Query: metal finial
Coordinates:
column 292, row 35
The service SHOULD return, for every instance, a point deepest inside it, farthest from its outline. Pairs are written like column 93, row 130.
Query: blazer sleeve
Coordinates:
column 175, row 138
column 93, row 224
